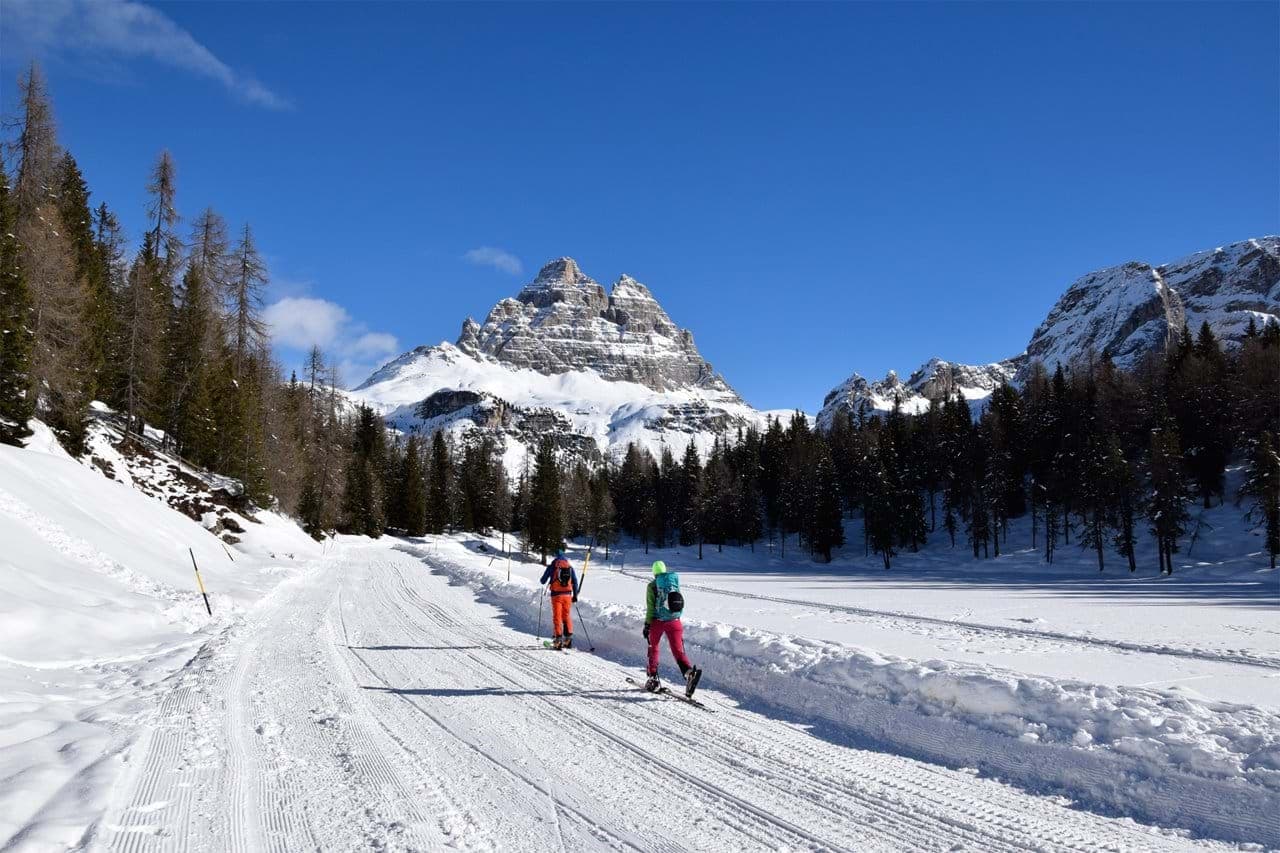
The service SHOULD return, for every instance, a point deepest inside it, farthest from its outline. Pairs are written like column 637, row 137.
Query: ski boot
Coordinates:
column 568, row 641
column 651, row 684
column 691, row 679
column 557, row 642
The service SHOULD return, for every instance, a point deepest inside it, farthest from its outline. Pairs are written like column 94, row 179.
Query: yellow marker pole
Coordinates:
column 199, row 582
column 586, row 564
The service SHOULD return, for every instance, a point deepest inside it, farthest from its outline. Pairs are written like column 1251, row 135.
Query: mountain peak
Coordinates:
column 469, row 337
column 562, row 271
column 562, row 280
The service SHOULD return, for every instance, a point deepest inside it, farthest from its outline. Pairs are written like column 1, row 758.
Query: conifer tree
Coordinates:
column 144, row 320
column 248, row 282
column 1262, row 483
column 92, row 272
column 163, row 219
column 881, row 501
column 17, row 397
column 1167, row 510
column 1096, row 500
column 546, row 510
column 691, row 497
column 191, row 418
column 48, row 261
column 1122, row 488
column 363, row 508
column 629, row 491
column 601, row 526
column 439, row 497
column 828, row 528
column 410, row 496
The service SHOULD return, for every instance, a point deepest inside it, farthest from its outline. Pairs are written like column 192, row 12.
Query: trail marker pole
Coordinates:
column 200, row 583
column 586, row 564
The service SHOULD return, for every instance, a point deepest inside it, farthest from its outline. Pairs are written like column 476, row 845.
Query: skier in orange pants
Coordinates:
column 562, row 583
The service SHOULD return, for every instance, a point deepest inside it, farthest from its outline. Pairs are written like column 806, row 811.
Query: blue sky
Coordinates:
column 813, row 189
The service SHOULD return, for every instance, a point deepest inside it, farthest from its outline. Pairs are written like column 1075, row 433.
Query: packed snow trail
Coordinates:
column 372, row 705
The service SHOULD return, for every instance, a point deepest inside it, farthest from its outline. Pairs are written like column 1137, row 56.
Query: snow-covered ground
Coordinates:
column 1140, row 695
column 98, row 607
column 373, row 705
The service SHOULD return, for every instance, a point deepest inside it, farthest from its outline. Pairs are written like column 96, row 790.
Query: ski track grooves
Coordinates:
column 1259, row 661
column 373, row 705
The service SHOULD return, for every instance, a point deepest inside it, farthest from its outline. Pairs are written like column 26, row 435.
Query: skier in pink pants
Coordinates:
column 663, row 606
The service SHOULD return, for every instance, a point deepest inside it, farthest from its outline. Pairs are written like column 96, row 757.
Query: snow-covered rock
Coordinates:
column 564, row 321
column 1124, row 312
column 1130, row 310
column 933, row 380
column 591, row 369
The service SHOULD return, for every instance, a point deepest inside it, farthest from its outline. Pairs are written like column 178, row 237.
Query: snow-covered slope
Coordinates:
column 98, row 603
column 594, row 371
column 1124, row 312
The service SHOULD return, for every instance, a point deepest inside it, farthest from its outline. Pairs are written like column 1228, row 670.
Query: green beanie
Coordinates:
column 659, row 567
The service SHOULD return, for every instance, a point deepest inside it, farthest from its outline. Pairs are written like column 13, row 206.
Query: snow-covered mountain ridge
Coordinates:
column 593, row 370
column 1124, row 311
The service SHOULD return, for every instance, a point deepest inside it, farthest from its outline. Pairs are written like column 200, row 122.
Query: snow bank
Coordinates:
column 1210, row 767
column 98, row 603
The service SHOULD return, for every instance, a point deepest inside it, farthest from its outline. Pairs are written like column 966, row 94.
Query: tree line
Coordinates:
column 1094, row 457
column 169, row 334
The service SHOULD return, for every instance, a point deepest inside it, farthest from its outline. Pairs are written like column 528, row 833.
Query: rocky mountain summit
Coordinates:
column 1130, row 310
column 592, row 369
column 1124, row 312
column 564, row 321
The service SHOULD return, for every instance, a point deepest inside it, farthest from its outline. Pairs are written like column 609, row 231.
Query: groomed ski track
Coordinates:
column 371, row 705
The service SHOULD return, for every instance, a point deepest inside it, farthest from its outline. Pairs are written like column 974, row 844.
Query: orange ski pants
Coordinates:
column 561, row 615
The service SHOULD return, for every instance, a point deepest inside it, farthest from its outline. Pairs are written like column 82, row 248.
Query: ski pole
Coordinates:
column 200, row 584
column 541, row 595
column 591, row 647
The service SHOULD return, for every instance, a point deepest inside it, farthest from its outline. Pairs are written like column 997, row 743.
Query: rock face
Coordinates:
column 1124, row 312
column 933, row 380
column 1130, row 310
column 563, row 321
column 566, row 360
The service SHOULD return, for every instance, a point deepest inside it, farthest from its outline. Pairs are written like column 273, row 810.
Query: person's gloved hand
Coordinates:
column 646, row 632
column 575, row 599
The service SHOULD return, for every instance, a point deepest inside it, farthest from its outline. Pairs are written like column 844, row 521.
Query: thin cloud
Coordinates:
column 305, row 321
column 499, row 259
column 374, row 345
column 301, row 322
column 95, row 30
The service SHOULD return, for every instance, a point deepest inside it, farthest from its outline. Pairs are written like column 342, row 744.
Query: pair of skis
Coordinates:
column 547, row 644
column 667, row 691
